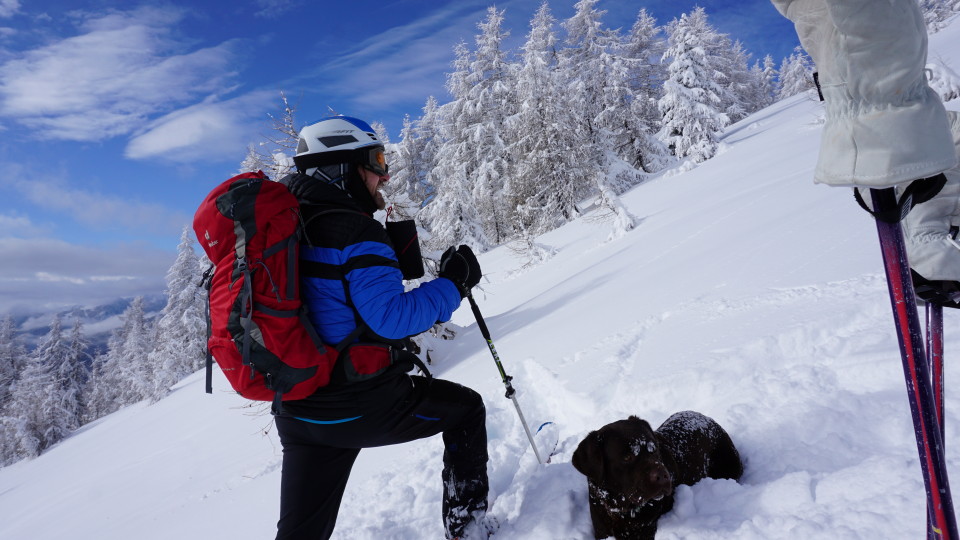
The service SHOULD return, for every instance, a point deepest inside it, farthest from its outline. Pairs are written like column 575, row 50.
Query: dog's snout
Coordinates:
column 659, row 476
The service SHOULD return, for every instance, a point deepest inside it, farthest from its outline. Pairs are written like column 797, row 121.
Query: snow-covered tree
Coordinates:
column 796, row 74
column 383, row 135
column 730, row 62
column 12, row 358
column 491, row 93
column 623, row 220
column 397, row 191
column 943, row 80
column 100, row 396
column 9, row 449
column 452, row 217
column 936, row 13
column 274, row 155
column 764, row 82
column 132, row 360
column 44, row 408
column 122, row 376
column 429, row 139
column 693, row 119
column 416, row 156
column 642, row 51
column 550, row 163
column 181, row 331
column 73, row 375
column 596, row 83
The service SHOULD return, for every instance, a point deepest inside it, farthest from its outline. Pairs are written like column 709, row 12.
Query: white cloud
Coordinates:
column 123, row 69
column 9, row 7
column 272, row 9
column 98, row 210
column 212, row 130
column 46, row 273
column 403, row 63
column 112, row 278
column 17, row 225
column 53, row 278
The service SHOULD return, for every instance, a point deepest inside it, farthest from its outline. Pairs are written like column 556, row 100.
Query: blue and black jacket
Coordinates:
column 350, row 278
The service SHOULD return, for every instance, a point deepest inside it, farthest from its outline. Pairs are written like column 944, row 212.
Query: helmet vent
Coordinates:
column 302, row 146
column 337, row 140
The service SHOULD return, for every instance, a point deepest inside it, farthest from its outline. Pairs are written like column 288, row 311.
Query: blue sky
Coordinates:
column 116, row 117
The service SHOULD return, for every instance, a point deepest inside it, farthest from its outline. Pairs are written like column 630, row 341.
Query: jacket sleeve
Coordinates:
column 377, row 292
column 884, row 125
column 931, row 248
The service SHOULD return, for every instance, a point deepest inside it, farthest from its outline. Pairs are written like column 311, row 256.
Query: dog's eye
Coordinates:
column 628, row 458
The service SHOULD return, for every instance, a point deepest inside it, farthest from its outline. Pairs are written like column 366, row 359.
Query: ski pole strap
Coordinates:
column 206, row 282
column 208, row 383
column 918, row 192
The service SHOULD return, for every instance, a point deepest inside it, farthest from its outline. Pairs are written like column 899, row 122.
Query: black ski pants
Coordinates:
column 318, row 457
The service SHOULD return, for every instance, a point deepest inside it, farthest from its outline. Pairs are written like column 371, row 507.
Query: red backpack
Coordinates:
column 260, row 336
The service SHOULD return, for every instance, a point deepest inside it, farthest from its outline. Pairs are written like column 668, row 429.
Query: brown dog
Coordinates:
column 631, row 469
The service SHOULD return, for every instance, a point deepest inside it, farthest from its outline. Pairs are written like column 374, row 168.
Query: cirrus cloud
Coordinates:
column 9, row 7
column 118, row 72
column 212, row 130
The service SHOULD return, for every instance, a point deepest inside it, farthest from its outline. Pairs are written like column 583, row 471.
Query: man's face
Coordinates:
column 373, row 182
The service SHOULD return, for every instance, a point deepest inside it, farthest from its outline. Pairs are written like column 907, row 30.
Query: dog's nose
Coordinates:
column 660, row 477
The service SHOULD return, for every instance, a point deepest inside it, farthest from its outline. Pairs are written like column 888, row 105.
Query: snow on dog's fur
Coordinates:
column 631, row 469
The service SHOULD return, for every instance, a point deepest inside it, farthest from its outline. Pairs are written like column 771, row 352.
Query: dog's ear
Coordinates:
column 588, row 457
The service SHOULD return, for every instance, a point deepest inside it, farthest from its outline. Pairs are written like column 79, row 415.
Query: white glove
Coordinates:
column 884, row 125
column 931, row 250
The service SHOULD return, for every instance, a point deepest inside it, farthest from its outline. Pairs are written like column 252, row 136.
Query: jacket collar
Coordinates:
column 309, row 190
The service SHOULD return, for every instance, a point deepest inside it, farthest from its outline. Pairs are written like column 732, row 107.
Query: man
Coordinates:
column 353, row 289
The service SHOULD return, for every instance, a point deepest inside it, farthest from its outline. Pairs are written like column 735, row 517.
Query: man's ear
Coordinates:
column 588, row 457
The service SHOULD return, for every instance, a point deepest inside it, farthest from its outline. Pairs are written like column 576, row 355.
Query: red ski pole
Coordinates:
column 935, row 357
column 934, row 314
column 910, row 336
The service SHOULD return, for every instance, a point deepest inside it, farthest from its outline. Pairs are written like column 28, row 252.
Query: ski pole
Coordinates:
column 934, row 314
column 910, row 336
column 935, row 357
column 511, row 393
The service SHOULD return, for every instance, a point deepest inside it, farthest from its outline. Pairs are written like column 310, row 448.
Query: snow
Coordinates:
column 745, row 292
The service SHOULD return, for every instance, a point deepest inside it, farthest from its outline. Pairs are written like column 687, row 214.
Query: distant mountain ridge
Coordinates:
column 98, row 321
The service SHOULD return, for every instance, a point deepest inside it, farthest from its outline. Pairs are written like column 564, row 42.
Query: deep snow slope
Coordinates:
column 746, row 292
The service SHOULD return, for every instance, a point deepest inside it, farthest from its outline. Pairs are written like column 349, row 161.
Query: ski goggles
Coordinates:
column 374, row 159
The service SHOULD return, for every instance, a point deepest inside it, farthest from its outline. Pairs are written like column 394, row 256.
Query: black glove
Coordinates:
column 460, row 266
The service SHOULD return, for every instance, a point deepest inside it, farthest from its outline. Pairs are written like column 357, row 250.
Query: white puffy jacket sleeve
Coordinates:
column 932, row 251
column 884, row 125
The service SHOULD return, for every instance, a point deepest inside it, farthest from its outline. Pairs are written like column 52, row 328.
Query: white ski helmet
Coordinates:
column 340, row 139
